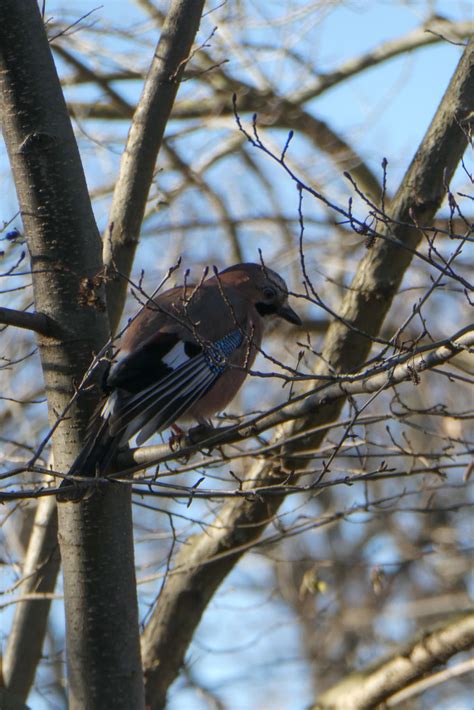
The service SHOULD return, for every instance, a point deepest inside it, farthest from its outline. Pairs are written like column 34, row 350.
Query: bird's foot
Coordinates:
column 196, row 435
column 177, row 437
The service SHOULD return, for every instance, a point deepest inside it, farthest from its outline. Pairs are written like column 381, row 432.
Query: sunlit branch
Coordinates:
column 436, row 30
column 400, row 370
column 373, row 686
column 144, row 141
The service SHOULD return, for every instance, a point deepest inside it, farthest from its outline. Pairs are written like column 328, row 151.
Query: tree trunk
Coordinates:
column 65, row 249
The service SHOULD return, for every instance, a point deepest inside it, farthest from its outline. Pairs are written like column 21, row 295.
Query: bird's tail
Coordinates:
column 98, row 451
column 94, row 459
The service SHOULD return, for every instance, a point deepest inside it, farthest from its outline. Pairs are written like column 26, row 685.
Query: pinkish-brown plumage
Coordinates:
column 184, row 358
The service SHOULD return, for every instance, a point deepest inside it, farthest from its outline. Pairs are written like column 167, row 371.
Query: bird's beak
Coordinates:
column 288, row 314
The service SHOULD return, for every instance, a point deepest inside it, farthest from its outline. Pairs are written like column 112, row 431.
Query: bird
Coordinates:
column 183, row 358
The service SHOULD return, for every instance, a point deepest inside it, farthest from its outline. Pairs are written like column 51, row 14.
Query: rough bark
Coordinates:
column 205, row 561
column 65, row 252
column 104, row 668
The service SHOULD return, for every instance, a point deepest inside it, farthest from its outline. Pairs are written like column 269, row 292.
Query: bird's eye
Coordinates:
column 269, row 293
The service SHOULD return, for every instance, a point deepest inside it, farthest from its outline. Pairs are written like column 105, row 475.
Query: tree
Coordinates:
column 379, row 403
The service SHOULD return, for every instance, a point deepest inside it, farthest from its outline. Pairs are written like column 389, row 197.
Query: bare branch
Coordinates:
column 185, row 595
column 420, row 686
column 39, row 573
column 284, row 113
column 144, row 141
column 417, row 200
column 369, row 688
column 433, row 31
column 307, row 405
column 86, row 74
column 37, row 322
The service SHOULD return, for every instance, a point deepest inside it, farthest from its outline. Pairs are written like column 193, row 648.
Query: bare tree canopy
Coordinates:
column 313, row 549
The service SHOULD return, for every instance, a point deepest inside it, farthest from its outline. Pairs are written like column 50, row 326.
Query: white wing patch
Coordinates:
column 176, row 356
column 157, row 406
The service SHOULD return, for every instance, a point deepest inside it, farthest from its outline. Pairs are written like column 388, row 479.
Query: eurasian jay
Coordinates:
column 184, row 357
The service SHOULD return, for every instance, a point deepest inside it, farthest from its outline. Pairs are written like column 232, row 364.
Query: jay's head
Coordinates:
column 264, row 288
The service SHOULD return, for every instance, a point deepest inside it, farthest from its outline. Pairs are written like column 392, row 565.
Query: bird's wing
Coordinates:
column 157, row 383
